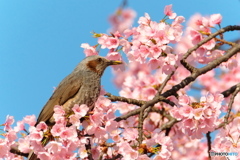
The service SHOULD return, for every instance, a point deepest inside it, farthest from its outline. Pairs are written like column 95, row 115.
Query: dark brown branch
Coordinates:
column 123, row 99
column 88, row 148
column 137, row 111
column 209, row 143
column 229, row 91
column 188, row 66
column 165, row 82
column 230, row 104
column 145, row 111
column 234, row 91
column 15, row 150
column 232, row 51
column 114, row 158
column 140, row 126
column 219, row 32
column 169, row 124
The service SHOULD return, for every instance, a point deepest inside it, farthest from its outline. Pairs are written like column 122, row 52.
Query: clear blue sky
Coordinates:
column 40, row 39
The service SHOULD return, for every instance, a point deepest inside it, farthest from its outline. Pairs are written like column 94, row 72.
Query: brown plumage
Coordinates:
column 82, row 86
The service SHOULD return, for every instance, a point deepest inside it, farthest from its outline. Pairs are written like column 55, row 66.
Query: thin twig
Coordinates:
column 233, row 90
column 137, row 111
column 225, row 29
column 229, row 91
column 197, row 72
column 165, row 82
column 123, row 99
column 209, row 143
column 230, row 104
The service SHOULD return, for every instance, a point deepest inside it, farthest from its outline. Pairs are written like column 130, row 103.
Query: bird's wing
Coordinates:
column 66, row 90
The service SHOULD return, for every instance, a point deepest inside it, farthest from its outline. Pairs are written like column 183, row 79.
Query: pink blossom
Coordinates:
column 167, row 69
column 74, row 120
column 112, row 129
column 198, row 113
column 31, row 120
column 68, row 133
column 57, row 129
column 73, row 143
column 130, row 133
column 101, row 133
column 108, row 42
column 103, row 104
column 155, row 51
column 168, row 11
column 125, row 44
column 19, row 127
column 149, row 93
column 210, row 44
column 144, row 20
column 89, row 127
column 186, row 111
column 44, row 155
column 53, row 147
column 143, row 157
column 81, row 110
column 179, row 19
column 89, row 50
column 122, row 19
column 95, row 152
column 83, row 152
column 4, row 148
column 154, row 63
column 184, row 100
column 42, row 126
column 126, row 150
column 9, row 121
column 59, row 114
column 59, row 110
column 97, row 118
column 175, row 113
column 36, row 135
column 111, row 126
column 215, row 19
column 11, row 136
column 114, row 56
column 24, row 145
column 195, row 36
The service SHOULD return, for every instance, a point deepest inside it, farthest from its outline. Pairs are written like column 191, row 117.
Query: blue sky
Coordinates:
column 40, row 39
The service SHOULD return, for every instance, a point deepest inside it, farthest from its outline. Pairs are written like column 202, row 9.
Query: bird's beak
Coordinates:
column 114, row 62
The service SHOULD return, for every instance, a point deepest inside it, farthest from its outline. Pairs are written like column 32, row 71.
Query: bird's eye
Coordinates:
column 99, row 59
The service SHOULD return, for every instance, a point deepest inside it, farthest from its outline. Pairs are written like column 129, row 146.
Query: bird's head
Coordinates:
column 96, row 64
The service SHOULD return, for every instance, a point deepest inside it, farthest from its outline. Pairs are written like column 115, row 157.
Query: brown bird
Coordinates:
column 82, row 86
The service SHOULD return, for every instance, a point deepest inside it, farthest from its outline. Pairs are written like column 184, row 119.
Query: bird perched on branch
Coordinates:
column 82, row 86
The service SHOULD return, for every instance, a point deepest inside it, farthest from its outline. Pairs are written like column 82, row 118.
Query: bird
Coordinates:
column 82, row 86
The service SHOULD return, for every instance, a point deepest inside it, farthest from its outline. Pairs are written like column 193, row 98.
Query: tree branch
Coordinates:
column 229, row 91
column 234, row 91
column 232, row 51
column 209, row 143
column 219, row 32
column 123, row 99
column 15, row 150
column 137, row 111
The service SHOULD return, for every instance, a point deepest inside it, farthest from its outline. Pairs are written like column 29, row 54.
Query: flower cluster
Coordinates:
column 198, row 118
